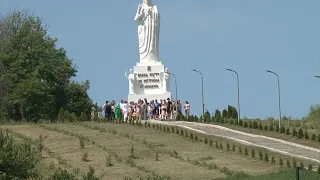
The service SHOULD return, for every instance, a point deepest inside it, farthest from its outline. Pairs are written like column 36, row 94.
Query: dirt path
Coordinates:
column 277, row 145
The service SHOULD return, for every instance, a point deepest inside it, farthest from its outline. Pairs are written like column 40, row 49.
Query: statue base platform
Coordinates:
column 149, row 97
column 149, row 82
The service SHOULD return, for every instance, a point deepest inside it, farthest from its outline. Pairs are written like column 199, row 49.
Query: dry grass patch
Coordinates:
column 69, row 150
column 192, row 150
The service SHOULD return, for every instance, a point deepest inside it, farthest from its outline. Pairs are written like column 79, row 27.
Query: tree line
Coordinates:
column 35, row 75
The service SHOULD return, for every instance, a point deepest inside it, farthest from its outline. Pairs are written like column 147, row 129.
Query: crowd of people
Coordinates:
column 164, row 109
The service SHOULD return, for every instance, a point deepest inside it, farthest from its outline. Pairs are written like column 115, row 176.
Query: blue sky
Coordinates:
column 248, row 36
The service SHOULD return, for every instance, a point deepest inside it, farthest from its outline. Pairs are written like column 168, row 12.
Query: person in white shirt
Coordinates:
column 125, row 108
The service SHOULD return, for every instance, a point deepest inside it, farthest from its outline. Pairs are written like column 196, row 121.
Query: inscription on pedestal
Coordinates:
column 149, row 80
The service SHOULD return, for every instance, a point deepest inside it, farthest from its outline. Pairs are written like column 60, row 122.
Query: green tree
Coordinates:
column 232, row 112
column 217, row 116
column 224, row 114
column 35, row 74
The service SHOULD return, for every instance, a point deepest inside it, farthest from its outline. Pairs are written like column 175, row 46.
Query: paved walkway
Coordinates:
column 272, row 144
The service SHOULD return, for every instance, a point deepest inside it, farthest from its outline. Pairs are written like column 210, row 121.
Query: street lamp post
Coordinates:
column 175, row 82
column 278, row 96
column 201, row 92
column 238, row 93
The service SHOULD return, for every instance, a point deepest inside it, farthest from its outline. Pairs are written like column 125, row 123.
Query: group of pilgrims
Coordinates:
column 165, row 109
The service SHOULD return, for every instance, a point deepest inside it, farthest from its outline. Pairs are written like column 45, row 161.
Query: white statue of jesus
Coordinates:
column 148, row 21
column 131, row 79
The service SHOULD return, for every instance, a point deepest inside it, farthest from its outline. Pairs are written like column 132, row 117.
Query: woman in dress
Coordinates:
column 187, row 109
column 117, row 111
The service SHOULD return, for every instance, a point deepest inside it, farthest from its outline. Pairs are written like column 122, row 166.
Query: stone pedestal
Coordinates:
column 149, row 82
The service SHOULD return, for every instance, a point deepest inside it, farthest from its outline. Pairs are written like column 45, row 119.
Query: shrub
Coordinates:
column 177, row 131
column 168, row 129
column 85, row 156
column 266, row 157
column 318, row 170
column 172, row 129
column 294, row 132
column 131, row 152
column 287, row 131
column 318, row 138
column 181, row 132
column 108, row 160
column 191, row 135
column 233, row 148
column 255, row 125
column 240, row 122
column 265, row 127
column 245, row 124
column 301, row 165
column 231, row 122
column 277, row 128
column 228, row 147
column 186, row 133
column 220, row 145
column 282, row 130
column 240, row 149
column 260, row 155
column 17, row 159
column 217, row 145
column 281, row 162
column 145, row 124
column 300, row 134
column 310, row 167
column 250, row 124
column 288, row 163
column 90, row 175
column 82, row 142
column 245, row 151
column 273, row 160
column 253, row 153
column 306, row 134
column 157, row 156
column 62, row 174
column 271, row 127
column 205, row 140
column 210, row 142
column 294, row 163
column 260, row 126
column 313, row 137
column 196, row 137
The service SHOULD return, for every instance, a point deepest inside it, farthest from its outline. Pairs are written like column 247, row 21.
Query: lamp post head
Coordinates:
column 317, row 76
column 229, row 69
column 193, row 70
column 269, row 71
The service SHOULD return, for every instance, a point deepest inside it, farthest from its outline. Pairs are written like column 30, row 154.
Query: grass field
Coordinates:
column 119, row 151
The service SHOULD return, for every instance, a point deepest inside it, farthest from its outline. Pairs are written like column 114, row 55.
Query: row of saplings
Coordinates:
column 300, row 134
column 194, row 137
column 19, row 160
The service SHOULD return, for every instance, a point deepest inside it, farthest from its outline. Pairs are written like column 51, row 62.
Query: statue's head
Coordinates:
column 148, row 2
column 130, row 70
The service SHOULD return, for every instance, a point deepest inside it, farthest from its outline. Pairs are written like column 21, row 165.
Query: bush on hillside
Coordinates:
column 260, row 126
column 287, row 131
column 255, row 125
column 17, row 160
column 224, row 114
column 240, row 122
column 265, row 127
column 294, row 132
column 245, row 124
column 306, row 134
column 271, row 127
column 313, row 137
column 282, row 130
column 300, row 134
column 250, row 124
column 217, row 116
